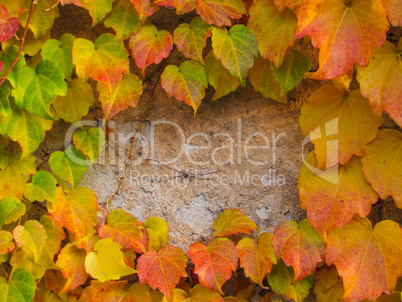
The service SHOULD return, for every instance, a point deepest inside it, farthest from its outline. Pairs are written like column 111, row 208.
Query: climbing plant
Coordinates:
column 78, row 251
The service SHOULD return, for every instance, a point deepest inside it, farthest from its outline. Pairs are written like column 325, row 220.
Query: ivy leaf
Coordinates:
column 186, row 83
column 214, row 263
column 75, row 211
column 89, row 142
column 145, row 8
column 43, row 187
column 115, row 292
column 329, row 286
column 4, row 100
column 256, row 258
column 281, row 280
column 11, row 209
column 6, row 244
column 291, row 72
column 126, row 230
column 198, row 293
column 8, row 26
column 31, row 239
column 232, row 221
column 107, row 263
column 127, row 93
column 60, row 53
column 345, row 34
column 219, row 77
column 20, row 171
column 3, row 158
column 236, row 49
column 158, row 233
column 123, row 19
column 149, row 46
column 87, row 242
column 220, row 12
column 41, row 20
column 191, row 39
column 38, row 88
column 162, row 269
column 25, row 128
column 382, row 164
column 349, row 120
column 393, row 11
column 366, row 259
column 333, row 204
column 181, row 6
column 69, row 165
column 55, row 235
column 299, row 246
column 21, row 287
column 72, row 262
column 104, row 61
column 292, row 4
column 78, row 99
column 381, row 80
column 98, row 9
column 273, row 29
column 8, row 57
column 263, row 80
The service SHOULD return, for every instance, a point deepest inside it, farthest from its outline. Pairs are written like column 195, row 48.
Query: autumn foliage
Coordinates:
column 79, row 251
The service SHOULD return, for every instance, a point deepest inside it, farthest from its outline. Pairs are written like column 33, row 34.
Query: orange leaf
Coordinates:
column 214, row 263
column 345, row 34
column 333, row 196
column 369, row 261
column 75, row 211
column 281, row 4
column 299, row 246
column 112, row 291
column 181, row 6
column 256, row 259
column 232, row 221
column 149, row 46
column 394, row 11
column 72, row 261
column 219, row 12
column 144, row 8
column 126, row 230
column 163, row 270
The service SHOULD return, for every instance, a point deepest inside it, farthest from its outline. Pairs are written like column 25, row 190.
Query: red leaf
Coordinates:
column 219, row 12
column 214, row 263
column 181, row 6
column 8, row 26
column 144, row 8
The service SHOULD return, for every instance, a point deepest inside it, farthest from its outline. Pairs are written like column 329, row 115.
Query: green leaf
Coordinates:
column 281, row 281
column 90, row 143
column 263, row 79
column 11, row 209
column 191, row 39
column 127, row 93
column 235, row 49
column 3, row 158
column 186, row 83
column 69, row 165
column 60, row 53
column 8, row 57
column 78, row 99
column 158, row 233
column 41, row 20
column 39, row 87
column 104, row 61
column 6, row 244
column 43, row 187
column 291, row 72
column 4, row 101
column 31, row 239
column 25, row 128
column 107, row 263
column 273, row 29
column 123, row 19
column 219, row 77
column 21, row 287
column 98, row 9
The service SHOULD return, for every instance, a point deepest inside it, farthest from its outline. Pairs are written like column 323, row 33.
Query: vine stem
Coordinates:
column 132, row 139
column 17, row 58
